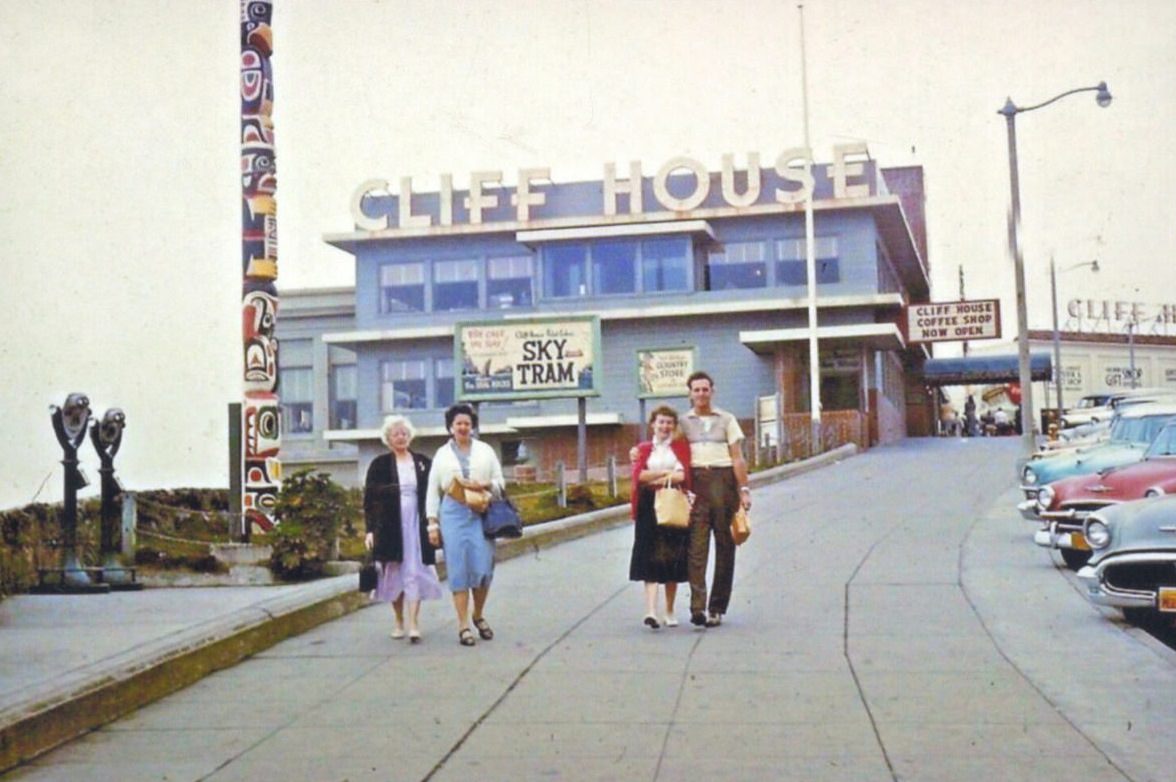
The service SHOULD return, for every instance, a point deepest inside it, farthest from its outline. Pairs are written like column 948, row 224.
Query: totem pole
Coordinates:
column 69, row 424
column 106, row 436
column 260, row 413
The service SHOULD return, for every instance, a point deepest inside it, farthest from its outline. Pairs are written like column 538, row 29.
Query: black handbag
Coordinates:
column 367, row 576
column 501, row 519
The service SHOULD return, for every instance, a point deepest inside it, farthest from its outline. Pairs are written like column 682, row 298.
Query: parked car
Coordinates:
column 1130, row 436
column 1133, row 565
column 1064, row 505
column 1099, row 407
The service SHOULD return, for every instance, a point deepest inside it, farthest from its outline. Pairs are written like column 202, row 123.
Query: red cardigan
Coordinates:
column 681, row 449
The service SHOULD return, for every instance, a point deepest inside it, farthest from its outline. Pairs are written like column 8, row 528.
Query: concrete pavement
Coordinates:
column 891, row 620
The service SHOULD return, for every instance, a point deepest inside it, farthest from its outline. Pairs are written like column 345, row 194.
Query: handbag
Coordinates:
column 477, row 500
column 740, row 526
column 502, row 519
column 671, row 507
column 460, row 488
column 367, row 576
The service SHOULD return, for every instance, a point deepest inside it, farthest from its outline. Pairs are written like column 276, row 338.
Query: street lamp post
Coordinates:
column 1010, row 111
column 1057, row 340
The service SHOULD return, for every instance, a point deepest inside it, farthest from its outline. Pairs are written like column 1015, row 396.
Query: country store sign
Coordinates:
column 527, row 359
column 681, row 184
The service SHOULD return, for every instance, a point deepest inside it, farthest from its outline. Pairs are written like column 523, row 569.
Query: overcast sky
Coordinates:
column 119, row 155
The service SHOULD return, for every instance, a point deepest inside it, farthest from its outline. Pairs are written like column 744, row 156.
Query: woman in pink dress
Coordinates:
column 394, row 511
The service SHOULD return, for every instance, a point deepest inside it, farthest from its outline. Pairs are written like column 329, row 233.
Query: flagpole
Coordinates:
column 810, row 259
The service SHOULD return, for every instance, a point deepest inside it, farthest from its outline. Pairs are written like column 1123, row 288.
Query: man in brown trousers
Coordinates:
column 720, row 487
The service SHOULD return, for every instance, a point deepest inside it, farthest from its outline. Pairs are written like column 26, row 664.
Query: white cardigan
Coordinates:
column 484, row 467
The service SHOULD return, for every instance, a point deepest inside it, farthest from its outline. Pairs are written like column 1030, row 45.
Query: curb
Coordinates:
column 54, row 713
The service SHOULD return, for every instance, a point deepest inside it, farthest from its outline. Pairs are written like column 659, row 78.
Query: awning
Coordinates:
column 880, row 336
column 984, row 369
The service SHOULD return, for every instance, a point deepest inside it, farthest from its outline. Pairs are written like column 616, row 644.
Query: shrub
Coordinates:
column 311, row 510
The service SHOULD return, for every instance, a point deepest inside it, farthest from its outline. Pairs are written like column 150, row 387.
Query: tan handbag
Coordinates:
column 671, row 507
column 476, row 499
column 740, row 526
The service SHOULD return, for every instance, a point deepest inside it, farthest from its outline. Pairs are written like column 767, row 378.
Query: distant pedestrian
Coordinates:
column 719, row 479
column 469, row 555
column 970, row 423
column 659, row 552
column 394, row 513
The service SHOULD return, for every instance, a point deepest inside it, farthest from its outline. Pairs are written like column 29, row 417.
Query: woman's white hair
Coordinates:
column 390, row 423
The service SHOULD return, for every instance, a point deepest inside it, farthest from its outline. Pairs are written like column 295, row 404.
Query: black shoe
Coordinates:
column 698, row 619
column 651, row 622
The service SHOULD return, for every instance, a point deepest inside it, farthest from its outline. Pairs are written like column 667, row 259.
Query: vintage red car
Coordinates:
column 1065, row 504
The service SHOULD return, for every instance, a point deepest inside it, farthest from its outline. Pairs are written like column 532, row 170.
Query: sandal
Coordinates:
column 465, row 637
column 484, row 629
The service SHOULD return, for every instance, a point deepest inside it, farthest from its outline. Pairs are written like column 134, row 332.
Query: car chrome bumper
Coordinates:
column 1061, row 536
column 1100, row 593
column 1028, row 510
column 1030, row 492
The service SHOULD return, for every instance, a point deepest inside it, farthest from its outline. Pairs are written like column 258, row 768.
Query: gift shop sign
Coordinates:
column 953, row 320
column 527, row 359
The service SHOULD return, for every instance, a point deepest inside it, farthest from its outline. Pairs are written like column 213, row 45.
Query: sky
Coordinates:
column 119, row 153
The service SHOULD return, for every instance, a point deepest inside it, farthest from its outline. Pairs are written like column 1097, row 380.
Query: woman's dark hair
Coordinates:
column 700, row 376
column 665, row 410
column 461, row 408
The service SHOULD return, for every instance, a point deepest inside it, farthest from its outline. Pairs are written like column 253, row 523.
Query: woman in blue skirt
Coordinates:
column 462, row 463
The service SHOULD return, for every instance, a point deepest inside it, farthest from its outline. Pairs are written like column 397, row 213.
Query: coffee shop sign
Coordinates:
column 793, row 183
column 1106, row 316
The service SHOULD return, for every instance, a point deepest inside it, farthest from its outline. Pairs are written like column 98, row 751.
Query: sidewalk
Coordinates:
column 71, row 663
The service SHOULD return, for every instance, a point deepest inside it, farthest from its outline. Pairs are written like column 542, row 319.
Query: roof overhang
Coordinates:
column 880, row 336
column 542, row 235
column 879, row 301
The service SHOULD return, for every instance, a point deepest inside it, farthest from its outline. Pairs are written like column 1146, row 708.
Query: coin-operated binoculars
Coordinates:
column 69, row 424
column 106, row 435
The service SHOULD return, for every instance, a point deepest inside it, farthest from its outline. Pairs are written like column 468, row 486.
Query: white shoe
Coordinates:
column 670, row 620
column 397, row 634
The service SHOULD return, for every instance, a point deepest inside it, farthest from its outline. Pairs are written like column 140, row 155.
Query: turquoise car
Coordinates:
column 1130, row 436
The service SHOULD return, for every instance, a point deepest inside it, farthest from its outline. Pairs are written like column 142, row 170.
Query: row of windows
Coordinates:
column 602, row 268
column 296, row 387
column 404, row 385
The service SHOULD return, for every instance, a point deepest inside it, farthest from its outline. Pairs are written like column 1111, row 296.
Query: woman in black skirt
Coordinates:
column 659, row 552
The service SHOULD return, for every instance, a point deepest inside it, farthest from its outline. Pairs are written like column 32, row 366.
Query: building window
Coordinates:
column 738, row 265
column 342, row 387
column 614, row 268
column 296, row 386
column 402, row 385
column 508, row 282
column 565, row 270
column 443, row 379
column 887, row 282
column 792, row 261
column 665, row 265
column 402, row 287
column 455, row 285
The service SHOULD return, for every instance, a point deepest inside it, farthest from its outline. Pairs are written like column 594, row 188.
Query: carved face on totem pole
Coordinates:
column 256, row 16
column 262, row 440
column 259, row 311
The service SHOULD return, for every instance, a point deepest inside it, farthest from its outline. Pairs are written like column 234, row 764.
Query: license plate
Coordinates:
column 1167, row 598
column 1078, row 541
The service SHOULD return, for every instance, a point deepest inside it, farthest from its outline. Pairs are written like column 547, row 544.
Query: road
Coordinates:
column 891, row 620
